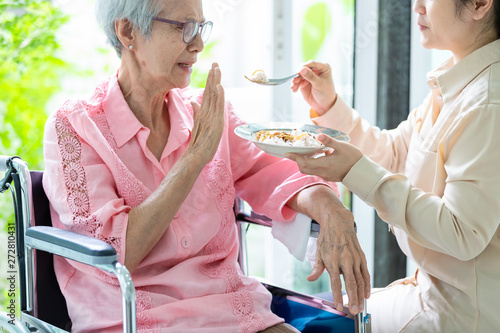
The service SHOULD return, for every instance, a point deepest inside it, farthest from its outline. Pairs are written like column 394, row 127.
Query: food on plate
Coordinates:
column 296, row 138
column 259, row 76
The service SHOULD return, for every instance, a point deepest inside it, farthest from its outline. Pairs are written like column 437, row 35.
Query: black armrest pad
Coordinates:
column 72, row 241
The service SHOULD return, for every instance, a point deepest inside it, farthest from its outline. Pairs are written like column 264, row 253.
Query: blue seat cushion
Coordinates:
column 307, row 316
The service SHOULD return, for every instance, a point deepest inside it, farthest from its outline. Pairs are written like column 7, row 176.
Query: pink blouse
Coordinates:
column 98, row 168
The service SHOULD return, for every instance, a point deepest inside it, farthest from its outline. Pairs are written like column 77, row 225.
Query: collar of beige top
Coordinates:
column 454, row 78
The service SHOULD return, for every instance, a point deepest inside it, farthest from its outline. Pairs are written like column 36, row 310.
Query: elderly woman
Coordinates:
column 153, row 169
column 434, row 178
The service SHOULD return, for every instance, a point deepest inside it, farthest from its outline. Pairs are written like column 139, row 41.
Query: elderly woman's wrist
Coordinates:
column 332, row 212
column 193, row 161
column 320, row 201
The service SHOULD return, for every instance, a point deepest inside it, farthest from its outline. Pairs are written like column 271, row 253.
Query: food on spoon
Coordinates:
column 259, row 76
column 296, row 138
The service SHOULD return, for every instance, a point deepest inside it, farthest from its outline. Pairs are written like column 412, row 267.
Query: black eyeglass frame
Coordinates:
column 199, row 28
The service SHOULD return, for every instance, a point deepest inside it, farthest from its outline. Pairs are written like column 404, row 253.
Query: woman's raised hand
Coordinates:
column 316, row 85
column 208, row 118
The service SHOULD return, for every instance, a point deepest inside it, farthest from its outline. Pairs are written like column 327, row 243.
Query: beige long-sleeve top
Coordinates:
column 436, row 180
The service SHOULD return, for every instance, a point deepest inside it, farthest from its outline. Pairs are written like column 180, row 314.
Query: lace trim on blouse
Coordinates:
column 219, row 180
column 129, row 188
column 218, row 177
column 146, row 322
column 220, row 183
column 75, row 181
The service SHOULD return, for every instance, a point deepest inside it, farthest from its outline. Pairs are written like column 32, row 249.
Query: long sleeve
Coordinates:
column 92, row 208
column 462, row 222
column 387, row 147
column 435, row 179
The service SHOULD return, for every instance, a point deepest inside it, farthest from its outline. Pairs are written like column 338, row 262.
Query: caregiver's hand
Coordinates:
column 316, row 85
column 335, row 165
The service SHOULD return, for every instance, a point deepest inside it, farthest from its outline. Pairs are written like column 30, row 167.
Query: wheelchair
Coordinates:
column 42, row 305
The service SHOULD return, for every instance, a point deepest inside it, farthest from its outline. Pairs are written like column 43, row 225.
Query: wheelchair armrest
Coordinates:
column 254, row 218
column 90, row 251
column 71, row 245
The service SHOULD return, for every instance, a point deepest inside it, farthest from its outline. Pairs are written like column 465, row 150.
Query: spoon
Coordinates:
column 273, row 82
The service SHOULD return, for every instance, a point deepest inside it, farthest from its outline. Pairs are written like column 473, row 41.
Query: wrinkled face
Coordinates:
column 441, row 27
column 164, row 58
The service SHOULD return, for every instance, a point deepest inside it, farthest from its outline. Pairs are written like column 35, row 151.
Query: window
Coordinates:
column 277, row 37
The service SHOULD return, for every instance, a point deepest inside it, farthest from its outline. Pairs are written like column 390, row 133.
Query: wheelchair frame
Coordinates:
column 362, row 321
column 94, row 253
column 64, row 243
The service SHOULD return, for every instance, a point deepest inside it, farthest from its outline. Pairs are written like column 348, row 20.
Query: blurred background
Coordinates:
column 51, row 51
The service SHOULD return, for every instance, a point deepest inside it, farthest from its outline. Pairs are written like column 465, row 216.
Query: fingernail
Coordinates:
column 354, row 309
column 303, row 71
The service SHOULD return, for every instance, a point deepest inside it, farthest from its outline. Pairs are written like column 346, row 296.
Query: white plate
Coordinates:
column 247, row 132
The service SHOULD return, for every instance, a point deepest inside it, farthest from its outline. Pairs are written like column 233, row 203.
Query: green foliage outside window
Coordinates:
column 29, row 76
column 317, row 24
column 199, row 77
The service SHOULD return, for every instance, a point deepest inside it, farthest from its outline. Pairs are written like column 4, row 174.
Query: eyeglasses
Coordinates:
column 191, row 28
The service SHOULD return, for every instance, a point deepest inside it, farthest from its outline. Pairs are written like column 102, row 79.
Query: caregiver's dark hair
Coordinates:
column 495, row 20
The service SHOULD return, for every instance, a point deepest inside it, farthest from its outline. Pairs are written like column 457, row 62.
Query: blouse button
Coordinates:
column 186, row 242
column 432, row 83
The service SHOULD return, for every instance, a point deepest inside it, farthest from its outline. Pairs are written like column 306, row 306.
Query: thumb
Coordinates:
column 293, row 157
column 317, row 270
column 328, row 141
column 308, row 75
column 196, row 106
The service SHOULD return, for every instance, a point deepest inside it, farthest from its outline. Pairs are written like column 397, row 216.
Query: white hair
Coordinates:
column 139, row 12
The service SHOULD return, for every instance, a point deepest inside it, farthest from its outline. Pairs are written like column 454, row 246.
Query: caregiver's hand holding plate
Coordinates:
column 334, row 166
